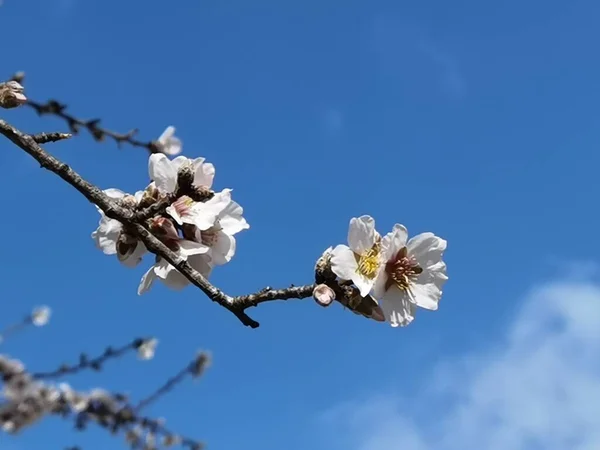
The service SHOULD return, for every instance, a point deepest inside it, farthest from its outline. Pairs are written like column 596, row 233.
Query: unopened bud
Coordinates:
column 323, row 295
column 164, row 229
column 11, row 95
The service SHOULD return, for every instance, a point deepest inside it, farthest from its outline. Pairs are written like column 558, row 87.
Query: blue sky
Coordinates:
column 475, row 120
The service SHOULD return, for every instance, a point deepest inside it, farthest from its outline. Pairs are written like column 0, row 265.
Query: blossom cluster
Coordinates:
column 401, row 274
column 199, row 224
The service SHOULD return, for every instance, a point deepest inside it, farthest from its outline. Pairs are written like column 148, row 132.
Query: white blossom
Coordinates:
column 412, row 275
column 147, row 349
column 221, row 219
column 110, row 237
column 168, row 143
column 163, row 171
column 361, row 260
column 40, row 316
column 193, row 252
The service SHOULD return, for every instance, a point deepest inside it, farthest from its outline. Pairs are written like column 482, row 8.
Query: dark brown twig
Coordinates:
column 58, row 109
column 90, row 363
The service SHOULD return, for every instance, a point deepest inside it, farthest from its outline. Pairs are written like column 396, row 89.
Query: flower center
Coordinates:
column 182, row 205
column 369, row 262
column 402, row 270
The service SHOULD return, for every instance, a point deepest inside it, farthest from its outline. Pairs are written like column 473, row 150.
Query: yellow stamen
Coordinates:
column 369, row 262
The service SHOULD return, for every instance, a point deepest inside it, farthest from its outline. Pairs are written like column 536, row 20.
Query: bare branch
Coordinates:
column 58, row 109
column 44, row 138
column 86, row 362
column 195, row 369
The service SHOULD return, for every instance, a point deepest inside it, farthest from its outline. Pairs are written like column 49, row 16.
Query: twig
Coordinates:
column 236, row 305
column 57, row 109
column 94, row 363
column 195, row 368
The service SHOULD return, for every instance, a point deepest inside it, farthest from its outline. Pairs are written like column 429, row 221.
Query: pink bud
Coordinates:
column 323, row 295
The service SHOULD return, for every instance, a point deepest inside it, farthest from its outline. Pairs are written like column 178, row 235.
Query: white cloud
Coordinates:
column 539, row 389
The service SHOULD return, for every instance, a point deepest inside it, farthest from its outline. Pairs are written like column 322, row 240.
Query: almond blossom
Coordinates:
column 168, row 143
column 224, row 219
column 112, row 239
column 413, row 274
column 164, row 171
column 360, row 261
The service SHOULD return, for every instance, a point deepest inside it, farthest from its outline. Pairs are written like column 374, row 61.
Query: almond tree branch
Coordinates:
column 236, row 305
column 86, row 362
column 57, row 109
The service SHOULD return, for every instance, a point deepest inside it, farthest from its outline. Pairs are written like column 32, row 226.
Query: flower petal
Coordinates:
column 162, row 173
column 204, row 175
column 201, row 264
column 427, row 249
column 107, row 234
column 343, row 262
column 361, row 234
column 189, row 248
column 146, row 281
column 364, row 285
column 206, row 214
column 231, row 219
column 223, row 249
column 114, row 193
column 393, row 242
column 380, row 282
column 426, row 296
column 399, row 311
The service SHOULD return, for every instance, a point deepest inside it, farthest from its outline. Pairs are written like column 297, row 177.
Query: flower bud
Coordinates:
column 323, row 295
column 163, row 229
column 11, row 95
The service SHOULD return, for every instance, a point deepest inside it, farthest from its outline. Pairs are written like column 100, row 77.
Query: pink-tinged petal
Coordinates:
column 393, row 242
column 343, row 262
column 223, row 249
column 162, row 173
column 361, row 234
column 399, row 311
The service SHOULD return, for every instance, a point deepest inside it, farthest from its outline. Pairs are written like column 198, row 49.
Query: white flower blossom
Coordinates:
column 361, row 260
column 40, row 316
column 412, row 275
column 163, row 171
column 193, row 252
column 147, row 349
column 218, row 221
column 168, row 143
column 111, row 239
